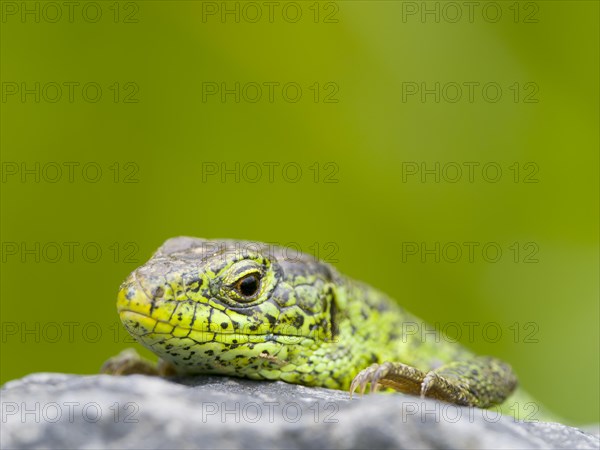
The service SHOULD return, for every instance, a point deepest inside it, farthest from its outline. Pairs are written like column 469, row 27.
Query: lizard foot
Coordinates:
column 399, row 376
column 481, row 381
column 453, row 391
column 129, row 362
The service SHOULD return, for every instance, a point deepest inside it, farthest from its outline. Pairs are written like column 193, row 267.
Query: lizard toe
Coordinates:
column 363, row 378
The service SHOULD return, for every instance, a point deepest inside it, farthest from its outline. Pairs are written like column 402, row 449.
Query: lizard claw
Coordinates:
column 362, row 379
column 371, row 374
column 430, row 380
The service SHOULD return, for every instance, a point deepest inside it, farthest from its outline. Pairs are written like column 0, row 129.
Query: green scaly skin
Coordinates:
column 305, row 324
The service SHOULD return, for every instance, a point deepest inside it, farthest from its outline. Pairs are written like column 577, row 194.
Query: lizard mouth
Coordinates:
column 150, row 320
column 192, row 350
column 146, row 328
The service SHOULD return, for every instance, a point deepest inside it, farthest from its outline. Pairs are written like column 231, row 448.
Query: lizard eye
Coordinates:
column 245, row 283
column 248, row 285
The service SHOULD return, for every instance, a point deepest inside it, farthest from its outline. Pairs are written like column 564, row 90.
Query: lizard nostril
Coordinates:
column 158, row 293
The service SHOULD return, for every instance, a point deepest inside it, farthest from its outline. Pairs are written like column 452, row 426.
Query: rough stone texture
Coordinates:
column 49, row 410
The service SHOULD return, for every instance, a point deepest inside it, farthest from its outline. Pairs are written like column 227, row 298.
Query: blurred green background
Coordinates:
column 157, row 133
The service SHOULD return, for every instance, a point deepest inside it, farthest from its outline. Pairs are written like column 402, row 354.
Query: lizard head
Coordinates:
column 230, row 307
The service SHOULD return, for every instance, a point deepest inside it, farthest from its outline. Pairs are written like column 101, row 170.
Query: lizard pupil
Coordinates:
column 248, row 286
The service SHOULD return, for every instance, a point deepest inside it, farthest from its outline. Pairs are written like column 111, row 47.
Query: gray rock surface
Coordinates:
column 49, row 410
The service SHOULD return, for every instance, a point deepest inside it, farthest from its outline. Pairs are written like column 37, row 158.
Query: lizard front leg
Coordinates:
column 481, row 381
column 129, row 362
